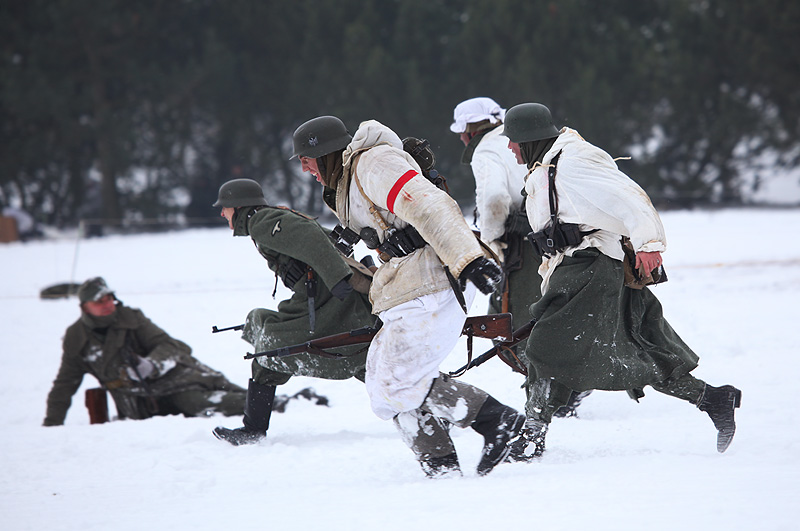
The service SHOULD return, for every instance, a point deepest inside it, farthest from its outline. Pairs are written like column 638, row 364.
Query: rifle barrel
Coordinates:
column 214, row 328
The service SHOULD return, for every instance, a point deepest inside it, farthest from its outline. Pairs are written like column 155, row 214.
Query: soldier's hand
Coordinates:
column 144, row 368
column 342, row 289
column 647, row 262
column 484, row 273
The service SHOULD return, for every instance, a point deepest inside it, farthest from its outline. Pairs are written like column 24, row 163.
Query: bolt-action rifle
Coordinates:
column 496, row 327
column 503, row 350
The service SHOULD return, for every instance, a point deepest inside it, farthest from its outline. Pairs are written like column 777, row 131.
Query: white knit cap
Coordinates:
column 476, row 110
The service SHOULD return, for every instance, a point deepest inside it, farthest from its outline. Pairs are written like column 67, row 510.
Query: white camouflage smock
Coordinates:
column 411, row 294
column 594, row 193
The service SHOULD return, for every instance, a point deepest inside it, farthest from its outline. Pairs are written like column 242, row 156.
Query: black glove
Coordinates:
column 484, row 273
column 342, row 289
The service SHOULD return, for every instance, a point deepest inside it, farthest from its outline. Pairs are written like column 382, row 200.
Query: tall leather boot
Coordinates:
column 497, row 423
column 720, row 403
column 257, row 412
column 429, row 439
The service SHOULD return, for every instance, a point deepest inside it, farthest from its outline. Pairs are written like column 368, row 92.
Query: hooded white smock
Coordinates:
column 499, row 183
column 422, row 320
column 394, row 183
column 594, row 193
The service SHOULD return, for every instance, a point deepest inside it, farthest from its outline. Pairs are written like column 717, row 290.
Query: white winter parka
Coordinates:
column 393, row 182
column 498, row 183
column 594, row 193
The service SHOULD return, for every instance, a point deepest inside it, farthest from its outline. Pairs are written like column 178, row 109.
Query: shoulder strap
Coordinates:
column 373, row 208
column 551, row 175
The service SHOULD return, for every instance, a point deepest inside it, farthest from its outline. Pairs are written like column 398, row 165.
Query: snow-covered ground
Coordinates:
column 732, row 295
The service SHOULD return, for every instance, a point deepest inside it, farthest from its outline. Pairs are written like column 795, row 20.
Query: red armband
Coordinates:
column 395, row 191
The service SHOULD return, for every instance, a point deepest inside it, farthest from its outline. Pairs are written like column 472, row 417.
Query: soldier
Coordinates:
column 146, row 371
column 324, row 301
column 420, row 292
column 500, row 206
column 598, row 326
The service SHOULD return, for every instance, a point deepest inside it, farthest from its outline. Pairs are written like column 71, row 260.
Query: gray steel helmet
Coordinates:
column 528, row 122
column 320, row 136
column 239, row 193
column 93, row 289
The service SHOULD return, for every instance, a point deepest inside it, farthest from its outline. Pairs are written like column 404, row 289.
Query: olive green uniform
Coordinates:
column 285, row 238
column 103, row 347
column 592, row 333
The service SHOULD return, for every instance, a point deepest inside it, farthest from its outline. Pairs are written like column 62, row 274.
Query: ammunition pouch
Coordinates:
column 557, row 237
column 292, row 272
column 517, row 223
column 396, row 244
column 344, row 239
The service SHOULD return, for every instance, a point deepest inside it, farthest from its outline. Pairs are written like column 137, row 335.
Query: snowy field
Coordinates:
column 733, row 296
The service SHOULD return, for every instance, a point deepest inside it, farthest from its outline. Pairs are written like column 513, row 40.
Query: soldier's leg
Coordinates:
column 403, row 373
column 467, row 406
column 428, row 438
column 257, row 409
column 545, row 396
column 718, row 402
column 570, row 409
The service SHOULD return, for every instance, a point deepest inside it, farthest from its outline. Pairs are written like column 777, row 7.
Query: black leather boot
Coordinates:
column 429, row 439
column 441, row 467
column 498, row 424
column 720, row 403
column 257, row 412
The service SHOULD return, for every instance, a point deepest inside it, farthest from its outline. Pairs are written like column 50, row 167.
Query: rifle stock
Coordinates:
column 519, row 335
column 496, row 327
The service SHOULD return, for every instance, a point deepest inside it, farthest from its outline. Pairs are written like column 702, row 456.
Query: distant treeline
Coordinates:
column 126, row 109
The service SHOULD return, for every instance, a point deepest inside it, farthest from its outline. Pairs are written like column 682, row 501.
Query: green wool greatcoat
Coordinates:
column 594, row 333
column 187, row 386
column 282, row 235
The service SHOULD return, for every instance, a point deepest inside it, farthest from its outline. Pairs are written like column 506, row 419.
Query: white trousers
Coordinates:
column 404, row 357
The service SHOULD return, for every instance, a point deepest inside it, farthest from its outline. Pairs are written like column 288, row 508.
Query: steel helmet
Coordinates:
column 320, row 136
column 93, row 290
column 239, row 193
column 528, row 122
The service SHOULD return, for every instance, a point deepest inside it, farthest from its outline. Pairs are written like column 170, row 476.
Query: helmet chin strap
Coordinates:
column 321, row 167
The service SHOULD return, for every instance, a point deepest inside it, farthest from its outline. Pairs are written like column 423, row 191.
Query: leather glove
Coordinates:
column 484, row 273
column 342, row 289
column 145, row 369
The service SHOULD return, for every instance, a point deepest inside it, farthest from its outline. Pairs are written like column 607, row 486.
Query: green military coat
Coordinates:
column 594, row 333
column 105, row 353
column 282, row 236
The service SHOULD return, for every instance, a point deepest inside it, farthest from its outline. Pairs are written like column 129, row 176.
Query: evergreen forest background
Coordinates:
column 126, row 110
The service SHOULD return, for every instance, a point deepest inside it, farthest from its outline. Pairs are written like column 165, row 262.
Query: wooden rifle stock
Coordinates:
column 496, row 326
column 519, row 335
